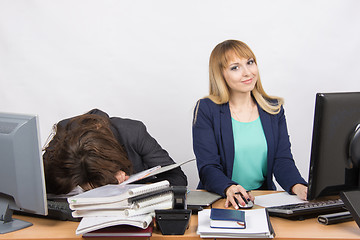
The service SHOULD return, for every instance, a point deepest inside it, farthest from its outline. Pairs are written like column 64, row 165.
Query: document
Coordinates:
column 115, row 193
column 169, row 167
column 141, row 175
column 142, row 207
column 89, row 224
column 153, row 171
column 277, row 199
column 123, row 204
column 142, row 200
column 257, row 226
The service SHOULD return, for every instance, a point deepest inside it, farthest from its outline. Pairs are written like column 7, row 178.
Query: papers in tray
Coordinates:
column 257, row 226
column 89, row 224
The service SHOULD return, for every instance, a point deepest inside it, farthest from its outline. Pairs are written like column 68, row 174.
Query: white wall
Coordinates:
column 148, row 60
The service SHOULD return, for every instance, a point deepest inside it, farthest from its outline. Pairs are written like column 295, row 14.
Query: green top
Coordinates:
column 250, row 161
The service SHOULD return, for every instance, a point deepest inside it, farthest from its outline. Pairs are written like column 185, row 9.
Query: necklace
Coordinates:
column 237, row 117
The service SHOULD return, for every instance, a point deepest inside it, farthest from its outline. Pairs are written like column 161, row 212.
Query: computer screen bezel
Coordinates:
column 22, row 185
column 336, row 116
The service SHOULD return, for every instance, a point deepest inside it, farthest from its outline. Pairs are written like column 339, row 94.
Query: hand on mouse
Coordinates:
column 231, row 196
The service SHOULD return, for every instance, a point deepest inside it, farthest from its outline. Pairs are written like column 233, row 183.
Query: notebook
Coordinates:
column 227, row 218
column 115, row 193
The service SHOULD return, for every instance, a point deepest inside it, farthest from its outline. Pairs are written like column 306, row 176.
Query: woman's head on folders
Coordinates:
column 84, row 153
column 233, row 69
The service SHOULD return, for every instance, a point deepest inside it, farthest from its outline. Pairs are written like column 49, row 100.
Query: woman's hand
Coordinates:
column 121, row 176
column 300, row 190
column 231, row 194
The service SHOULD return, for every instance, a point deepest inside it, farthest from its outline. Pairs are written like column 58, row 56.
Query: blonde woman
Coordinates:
column 240, row 135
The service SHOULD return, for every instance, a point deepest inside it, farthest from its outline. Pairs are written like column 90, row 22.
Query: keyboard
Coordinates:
column 60, row 210
column 57, row 209
column 305, row 210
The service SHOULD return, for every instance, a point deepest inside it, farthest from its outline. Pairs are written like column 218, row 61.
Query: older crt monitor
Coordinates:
column 335, row 152
column 22, row 185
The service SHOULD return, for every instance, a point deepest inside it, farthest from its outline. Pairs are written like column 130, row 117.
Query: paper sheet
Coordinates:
column 140, row 175
column 256, row 226
column 277, row 199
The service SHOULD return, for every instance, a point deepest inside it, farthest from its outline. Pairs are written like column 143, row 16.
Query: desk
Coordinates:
column 284, row 229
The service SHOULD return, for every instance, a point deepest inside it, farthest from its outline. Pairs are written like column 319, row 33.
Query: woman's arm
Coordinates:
column 285, row 170
column 141, row 146
column 211, row 166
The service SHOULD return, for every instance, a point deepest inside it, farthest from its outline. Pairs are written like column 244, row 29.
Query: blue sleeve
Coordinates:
column 206, row 135
column 145, row 152
column 285, row 170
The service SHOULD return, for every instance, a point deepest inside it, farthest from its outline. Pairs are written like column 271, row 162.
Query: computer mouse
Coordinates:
column 248, row 205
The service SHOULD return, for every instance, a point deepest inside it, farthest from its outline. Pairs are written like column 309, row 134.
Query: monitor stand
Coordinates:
column 7, row 223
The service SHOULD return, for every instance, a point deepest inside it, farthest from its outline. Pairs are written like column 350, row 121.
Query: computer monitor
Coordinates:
column 335, row 151
column 22, row 184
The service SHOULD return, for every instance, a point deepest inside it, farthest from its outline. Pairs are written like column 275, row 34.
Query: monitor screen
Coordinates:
column 22, row 185
column 332, row 168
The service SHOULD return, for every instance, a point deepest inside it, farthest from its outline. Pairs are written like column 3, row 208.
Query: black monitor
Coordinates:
column 335, row 151
column 22, row 185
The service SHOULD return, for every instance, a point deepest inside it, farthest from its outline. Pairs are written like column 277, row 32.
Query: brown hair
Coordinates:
column 86, row 153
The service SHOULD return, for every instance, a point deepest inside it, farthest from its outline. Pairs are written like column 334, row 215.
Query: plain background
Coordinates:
column 148, row 60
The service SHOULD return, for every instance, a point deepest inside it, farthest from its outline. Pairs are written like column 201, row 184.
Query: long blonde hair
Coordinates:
column 219, row 91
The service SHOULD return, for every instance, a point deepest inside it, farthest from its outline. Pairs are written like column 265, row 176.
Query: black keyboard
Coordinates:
column 307, row 210
column 57, row 209
column 60, row 210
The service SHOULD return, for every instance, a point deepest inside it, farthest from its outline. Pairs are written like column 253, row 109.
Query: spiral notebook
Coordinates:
column 114, row 193
column 164, row 201
column 89, row 224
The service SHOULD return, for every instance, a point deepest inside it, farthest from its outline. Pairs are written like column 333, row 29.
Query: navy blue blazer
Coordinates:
column 213, row 144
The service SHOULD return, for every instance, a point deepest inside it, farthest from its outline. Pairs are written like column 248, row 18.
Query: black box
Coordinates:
column 172, row 221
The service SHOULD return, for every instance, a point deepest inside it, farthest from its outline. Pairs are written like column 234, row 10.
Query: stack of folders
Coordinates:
column 130, row 204
column 228, row 223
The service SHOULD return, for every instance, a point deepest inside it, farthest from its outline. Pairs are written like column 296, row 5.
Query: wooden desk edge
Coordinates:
column 284, row 229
